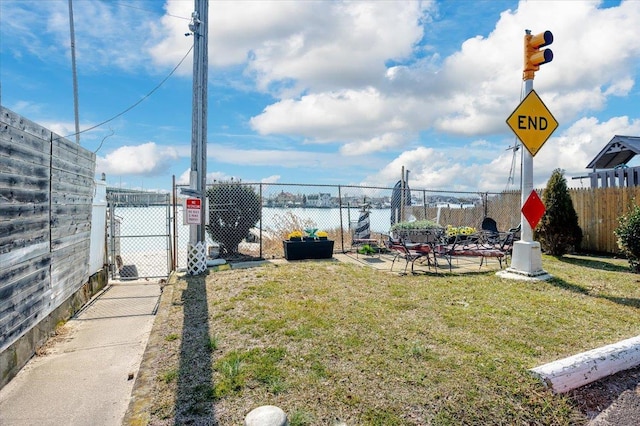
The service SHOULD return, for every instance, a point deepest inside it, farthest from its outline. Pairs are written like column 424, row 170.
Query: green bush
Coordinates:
column 234, row 209
column 628, row 234
column 558, row 231
column 366, row 249
column 416, row 224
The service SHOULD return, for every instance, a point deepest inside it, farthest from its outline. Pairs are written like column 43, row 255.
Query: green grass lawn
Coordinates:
column 328, row 341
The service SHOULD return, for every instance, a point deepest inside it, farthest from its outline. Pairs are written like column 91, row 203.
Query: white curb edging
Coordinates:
column 581, row 369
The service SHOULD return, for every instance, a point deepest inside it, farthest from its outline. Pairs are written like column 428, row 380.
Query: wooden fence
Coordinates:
column 598, row 212
column 46, row 194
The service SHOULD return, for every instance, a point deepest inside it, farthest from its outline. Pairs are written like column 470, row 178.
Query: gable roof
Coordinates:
column 619, row 150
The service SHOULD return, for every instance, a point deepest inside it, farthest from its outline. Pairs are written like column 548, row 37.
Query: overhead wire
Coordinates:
column 123, row 4
column 137, row 103
column 104, row 139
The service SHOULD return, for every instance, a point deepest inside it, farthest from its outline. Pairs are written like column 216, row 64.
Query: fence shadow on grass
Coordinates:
column 195, row 397
column 625, row 301
column 594, row 263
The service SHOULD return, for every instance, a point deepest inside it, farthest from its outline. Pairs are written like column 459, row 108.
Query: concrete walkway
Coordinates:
column 85, row 374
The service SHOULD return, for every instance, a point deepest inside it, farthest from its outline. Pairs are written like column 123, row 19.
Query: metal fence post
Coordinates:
column 260, row 229
column 340, row 212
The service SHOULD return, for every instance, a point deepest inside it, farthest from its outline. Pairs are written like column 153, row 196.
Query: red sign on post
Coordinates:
column 193, row 211
column 533, row 209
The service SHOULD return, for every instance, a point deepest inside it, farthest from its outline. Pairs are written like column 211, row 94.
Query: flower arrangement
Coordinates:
column 416, row 224
column 417, row 231
column 453, row 231
column 322, row 235
column 295, row 235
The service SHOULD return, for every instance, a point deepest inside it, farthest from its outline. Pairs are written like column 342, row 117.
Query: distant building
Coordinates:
column 609, row 167
column 319, row 200
column 285, row 199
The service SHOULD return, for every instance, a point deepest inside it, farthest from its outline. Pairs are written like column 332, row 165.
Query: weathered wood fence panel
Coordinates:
column 46, row 194
column 25, row 251
column 598, row 211
column 72, row 182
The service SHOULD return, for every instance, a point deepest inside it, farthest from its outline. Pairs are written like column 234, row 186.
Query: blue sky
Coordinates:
column 325, row 92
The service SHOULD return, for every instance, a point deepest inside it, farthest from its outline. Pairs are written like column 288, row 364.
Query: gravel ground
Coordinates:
column 595, row 397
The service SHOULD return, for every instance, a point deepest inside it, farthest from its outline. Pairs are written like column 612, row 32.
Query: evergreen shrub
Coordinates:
column 628, row 237
column 558, row 231
column 234, row 208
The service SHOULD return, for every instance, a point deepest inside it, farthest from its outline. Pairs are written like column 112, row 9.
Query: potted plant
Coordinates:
column 459, row 233
column 316, row 247
column 295, row 236
column 418, row 231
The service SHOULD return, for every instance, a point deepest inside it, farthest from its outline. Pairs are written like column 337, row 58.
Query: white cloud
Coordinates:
column 473, row 91
column 465, row 168
column 332, row 116
column 217, row 176
column 270, row 179
column 382, row 143
column 106, row 34
column 365, row 77
column 146, row 159
column 578, row 145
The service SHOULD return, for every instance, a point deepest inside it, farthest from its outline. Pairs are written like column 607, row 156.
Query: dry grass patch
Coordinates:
column 327, row 341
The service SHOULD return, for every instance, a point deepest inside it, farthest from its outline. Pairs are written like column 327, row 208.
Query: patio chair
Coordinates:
column 410, row 253
column 502, row 241
column 475, row 245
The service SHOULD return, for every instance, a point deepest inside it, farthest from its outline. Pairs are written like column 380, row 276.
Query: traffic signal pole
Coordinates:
column 526, row 260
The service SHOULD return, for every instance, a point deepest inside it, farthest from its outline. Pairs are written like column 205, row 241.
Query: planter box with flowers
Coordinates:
column 313, row 246
column 419, row 231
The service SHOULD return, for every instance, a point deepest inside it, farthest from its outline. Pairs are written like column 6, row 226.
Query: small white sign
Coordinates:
column 193, row 210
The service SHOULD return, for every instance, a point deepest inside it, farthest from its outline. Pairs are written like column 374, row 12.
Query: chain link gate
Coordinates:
column 139, row 234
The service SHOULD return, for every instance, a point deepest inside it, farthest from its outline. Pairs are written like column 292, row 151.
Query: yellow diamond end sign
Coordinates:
column 532, row 122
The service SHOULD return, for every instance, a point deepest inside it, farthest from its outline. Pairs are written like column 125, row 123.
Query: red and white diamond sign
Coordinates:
column 533, row 209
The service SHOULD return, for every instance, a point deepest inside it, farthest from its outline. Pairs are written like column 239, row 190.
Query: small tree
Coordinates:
column 558, row 230
column 628, row 233
column 234, row 209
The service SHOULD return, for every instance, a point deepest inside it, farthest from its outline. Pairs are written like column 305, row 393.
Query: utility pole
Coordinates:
column 75, row 76
column 197, row 182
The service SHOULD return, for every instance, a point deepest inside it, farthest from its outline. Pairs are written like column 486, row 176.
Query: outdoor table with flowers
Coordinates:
column 313, row 245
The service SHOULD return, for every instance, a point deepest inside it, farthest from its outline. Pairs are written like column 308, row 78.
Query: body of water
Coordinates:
column 380, row 219
column 152, row 221
column 144, row 231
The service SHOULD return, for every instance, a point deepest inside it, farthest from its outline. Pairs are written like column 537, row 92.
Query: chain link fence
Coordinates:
column 138, row 234
column 252, row 219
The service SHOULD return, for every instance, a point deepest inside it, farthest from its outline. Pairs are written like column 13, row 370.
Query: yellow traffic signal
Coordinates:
column 533, row 56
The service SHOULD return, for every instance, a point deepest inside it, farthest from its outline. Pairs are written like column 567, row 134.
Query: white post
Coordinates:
column 526, row 260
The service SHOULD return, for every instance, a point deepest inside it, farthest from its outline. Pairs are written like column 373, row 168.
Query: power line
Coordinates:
column 104, row 139
column 123, row 4
column 139, row 101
